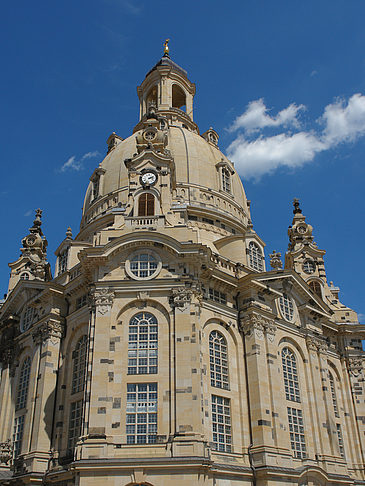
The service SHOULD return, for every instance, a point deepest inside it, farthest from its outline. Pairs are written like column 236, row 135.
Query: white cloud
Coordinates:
column 256, row 117
column 265, row 154
column 28, row 213
column 344, row 123
column 77, row 164
column 341, row 122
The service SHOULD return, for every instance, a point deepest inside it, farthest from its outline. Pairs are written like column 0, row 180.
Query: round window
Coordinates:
column 144, row 264
column 309, row 266
column 286, row 307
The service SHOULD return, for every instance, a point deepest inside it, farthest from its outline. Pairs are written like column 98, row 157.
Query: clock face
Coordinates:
column 148, row 178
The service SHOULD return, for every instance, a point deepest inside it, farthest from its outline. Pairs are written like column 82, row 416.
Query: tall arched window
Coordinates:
column 22, row 395
column 292, row 394
column 79, row 365
column 290, row 372
column 146, row 204
column 316, row 287
column 142, row 344
column 218, row 357
column 255, row 256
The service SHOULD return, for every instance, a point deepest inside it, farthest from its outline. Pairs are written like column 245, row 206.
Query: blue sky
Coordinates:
column 283, row 83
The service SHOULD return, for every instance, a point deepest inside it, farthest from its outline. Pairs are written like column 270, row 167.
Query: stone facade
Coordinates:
column 163, row 352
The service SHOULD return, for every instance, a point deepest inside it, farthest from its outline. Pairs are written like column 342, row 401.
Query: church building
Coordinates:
column 162, row 351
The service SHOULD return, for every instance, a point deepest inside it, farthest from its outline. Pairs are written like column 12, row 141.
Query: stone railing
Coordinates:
column 144, row 221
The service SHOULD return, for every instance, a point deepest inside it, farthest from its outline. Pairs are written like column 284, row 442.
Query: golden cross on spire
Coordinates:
column 166, row 46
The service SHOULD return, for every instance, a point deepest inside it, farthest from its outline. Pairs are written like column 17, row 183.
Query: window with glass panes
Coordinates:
column 62, row 261
column 333, row 394
column 221, row 424
column 290, row 374
column 21, row 398
column 28, row 317
column 143, row 265
column 141, row 413
column 226, row 180
column 79, row 365
column 255, row 256
column 18, row 430
column 74, row 424
column 296, row 430
column 218, row 358
column 341, row 446
column 217, row 296
column 142, row 344
column 286, row 307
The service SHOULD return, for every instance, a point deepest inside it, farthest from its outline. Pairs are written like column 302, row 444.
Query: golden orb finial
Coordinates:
column 166, row 47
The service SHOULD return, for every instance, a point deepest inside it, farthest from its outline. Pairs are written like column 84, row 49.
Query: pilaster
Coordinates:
column 254, row 327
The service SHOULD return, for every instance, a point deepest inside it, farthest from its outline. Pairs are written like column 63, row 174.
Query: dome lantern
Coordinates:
column 167, row 89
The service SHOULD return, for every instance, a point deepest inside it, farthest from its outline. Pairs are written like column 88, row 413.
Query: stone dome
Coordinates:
column 167, row 176
column 196, row 161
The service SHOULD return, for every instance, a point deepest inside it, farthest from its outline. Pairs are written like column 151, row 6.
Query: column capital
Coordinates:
column 51, row 329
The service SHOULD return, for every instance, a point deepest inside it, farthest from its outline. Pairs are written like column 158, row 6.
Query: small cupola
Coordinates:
column 167, row 90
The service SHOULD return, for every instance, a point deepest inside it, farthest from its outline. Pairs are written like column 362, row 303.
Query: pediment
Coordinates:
column 26, row 292
column 294, row 285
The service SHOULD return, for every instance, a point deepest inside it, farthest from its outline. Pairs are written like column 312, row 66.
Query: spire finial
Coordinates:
column 296, row 209
column 166, row 47
column 69, row 234
column 37, row 223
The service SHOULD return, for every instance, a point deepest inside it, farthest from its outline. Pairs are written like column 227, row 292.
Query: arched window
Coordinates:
column 218, row 357
column 292, row 394
column 22, row 395
column 226, row 180
column 79, row 365
column 146, row 204
column 290, row 372
column 316, row 287
column 255, row 256
column 24, row 276
column 178, row 97
column 142, row 344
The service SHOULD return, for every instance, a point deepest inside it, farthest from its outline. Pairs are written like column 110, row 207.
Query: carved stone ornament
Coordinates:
column 48, row 330
column 256, row 324
column 8, row 356
column 102, row 299
column 275, row 260
column 316, row 344
column 181, row 296
column 6, row 451
column 355, row 366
